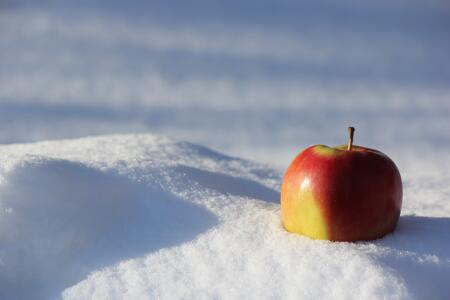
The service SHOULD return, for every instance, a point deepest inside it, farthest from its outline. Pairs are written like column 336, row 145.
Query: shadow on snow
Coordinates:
column 421, row 255
column 61, row 220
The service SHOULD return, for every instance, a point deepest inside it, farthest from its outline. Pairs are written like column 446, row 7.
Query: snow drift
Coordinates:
column 145, row 217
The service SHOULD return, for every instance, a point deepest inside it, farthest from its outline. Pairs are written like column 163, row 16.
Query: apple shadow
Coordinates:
column 229, row 185
column 61, row 220
column 420, row 254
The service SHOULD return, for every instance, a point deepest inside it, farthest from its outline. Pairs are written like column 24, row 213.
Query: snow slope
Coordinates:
column 146, row 217
column 141, row 216
column 241, row 77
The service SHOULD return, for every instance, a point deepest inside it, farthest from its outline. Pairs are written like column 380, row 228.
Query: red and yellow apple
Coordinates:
column 343, row 193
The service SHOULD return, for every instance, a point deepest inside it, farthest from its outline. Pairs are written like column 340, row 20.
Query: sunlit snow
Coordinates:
column 201, row 105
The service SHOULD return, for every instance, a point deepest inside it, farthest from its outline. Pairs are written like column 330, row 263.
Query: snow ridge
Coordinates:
column 146, row 217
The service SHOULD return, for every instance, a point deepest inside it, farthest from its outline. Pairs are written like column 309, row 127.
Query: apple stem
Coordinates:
column 351, row 131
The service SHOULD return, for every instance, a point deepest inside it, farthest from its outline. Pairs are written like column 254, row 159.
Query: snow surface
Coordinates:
column 142, row 216
column 145, row 217
column 241, row 77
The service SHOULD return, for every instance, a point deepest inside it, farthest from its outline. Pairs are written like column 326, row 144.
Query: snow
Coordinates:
column 224, row 74
column 199, row 108
column 145, row 217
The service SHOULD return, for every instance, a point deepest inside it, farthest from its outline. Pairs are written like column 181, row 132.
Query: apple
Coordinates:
column 342, row 193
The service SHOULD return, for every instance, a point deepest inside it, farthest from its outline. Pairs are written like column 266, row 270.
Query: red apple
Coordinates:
column 343, row 193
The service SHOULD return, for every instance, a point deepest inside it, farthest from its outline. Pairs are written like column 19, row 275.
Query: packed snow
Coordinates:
column 201, row 106
column 145, row 217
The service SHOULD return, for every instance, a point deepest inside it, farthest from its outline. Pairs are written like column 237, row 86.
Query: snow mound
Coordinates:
column 145, row 217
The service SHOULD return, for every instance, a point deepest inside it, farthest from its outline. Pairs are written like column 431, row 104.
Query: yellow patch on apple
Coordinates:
column 303, row 214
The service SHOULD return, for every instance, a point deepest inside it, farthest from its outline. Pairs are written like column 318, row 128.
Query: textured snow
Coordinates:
column 148, row 217
column 145, row 217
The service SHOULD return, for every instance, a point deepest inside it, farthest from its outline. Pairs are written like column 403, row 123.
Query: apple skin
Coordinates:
column 341, row 195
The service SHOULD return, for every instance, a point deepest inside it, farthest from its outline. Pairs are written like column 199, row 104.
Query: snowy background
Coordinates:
column 259, row 80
